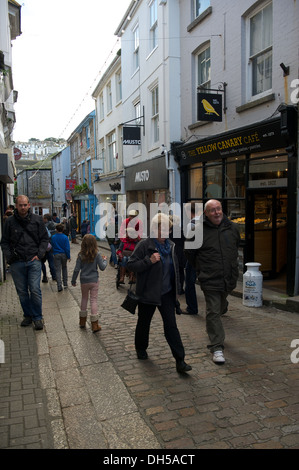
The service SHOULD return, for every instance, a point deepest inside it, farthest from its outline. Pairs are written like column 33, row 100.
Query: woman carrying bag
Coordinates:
column 157, row 285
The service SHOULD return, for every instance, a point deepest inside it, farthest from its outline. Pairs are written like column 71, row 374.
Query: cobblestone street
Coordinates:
column 66, row 388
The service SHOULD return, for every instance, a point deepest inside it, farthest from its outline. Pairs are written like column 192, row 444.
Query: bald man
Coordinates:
column 216, row 263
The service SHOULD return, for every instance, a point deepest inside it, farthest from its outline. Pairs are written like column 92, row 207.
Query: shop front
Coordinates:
column 252, row 171
column 147, row 183
column 109, row 190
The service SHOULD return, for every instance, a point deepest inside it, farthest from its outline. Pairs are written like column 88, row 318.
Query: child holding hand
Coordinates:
column 88, row 262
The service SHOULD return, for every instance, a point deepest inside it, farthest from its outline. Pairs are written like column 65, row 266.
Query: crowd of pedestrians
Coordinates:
column 159, row 266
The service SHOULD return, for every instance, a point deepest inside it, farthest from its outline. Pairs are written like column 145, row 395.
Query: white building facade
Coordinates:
column 151, row 99
column 61, row 169
column 239, row 108
column 109, row 185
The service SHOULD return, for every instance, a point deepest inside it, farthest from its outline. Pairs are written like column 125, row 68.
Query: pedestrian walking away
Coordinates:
column 216, row 263
column 157, row 285
column 73, row 228
column 24, row 243
column 61, row 251
column 88, row 263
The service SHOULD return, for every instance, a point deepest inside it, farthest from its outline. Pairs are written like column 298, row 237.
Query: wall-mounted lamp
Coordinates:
column 286, row 69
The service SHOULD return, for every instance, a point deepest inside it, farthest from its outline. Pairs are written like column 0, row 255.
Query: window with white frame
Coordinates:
column 118, row 86
column 109, row 97
column 204, row 68
column 102, row 152
column 111, row 142
column 200, row 6
column 155, row 114
column 260, row 50
column 137, row 108
column 153, row 24
column 136, row 48
column 101, row 106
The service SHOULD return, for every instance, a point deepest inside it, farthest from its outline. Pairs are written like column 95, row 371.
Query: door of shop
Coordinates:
column 267, row 230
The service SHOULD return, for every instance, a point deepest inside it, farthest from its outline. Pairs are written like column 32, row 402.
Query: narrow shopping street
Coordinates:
column 67, row 388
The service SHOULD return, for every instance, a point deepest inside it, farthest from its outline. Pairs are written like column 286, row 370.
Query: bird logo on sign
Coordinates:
column 209, row 108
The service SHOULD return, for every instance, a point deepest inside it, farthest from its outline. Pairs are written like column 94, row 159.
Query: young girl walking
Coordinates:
column 88, row 262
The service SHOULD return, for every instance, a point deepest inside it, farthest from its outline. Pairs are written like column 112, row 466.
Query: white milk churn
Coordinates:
column 253, row 286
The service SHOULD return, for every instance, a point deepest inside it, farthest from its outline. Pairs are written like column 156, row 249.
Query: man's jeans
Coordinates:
column 190, row 290
column 27, row 276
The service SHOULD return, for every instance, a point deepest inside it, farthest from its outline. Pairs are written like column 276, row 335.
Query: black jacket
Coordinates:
column 216, row 261
column 150, row 275
column 24, row 238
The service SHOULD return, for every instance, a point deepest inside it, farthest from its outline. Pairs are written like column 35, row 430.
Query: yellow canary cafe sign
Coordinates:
column 242, row 141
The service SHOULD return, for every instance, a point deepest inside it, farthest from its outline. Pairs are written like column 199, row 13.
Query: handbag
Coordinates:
column 131, row 301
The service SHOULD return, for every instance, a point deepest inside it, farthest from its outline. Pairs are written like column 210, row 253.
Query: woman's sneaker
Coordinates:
column 218, row 357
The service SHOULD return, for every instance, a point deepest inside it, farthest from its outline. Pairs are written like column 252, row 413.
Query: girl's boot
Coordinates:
column 82, row 318
column 95, row 323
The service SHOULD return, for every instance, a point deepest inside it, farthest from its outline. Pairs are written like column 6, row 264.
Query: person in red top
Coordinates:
column 130, row 234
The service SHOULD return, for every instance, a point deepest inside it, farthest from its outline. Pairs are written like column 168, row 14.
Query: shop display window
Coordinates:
column 236, row 213
column 235, row 177
column 213, row 173
column 195, row 182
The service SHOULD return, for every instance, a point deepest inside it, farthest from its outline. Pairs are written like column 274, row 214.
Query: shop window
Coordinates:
column 268, row 172
column 195, row 183
column 213, row 175
column 260, row 50
column 236, row 212
column 235, row 177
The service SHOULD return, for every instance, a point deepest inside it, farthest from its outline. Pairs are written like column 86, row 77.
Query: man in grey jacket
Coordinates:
column 24, row 243
column 216, row 263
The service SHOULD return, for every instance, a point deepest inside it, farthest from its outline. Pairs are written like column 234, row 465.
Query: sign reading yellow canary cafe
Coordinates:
column 242, row 141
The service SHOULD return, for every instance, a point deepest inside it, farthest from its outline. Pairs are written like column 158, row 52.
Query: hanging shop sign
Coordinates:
column 70, row 184
column 209, row 107
column 131, row 136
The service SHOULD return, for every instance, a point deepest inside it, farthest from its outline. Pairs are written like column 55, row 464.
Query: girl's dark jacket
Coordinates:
column 149, row 275
column 24, row 238
column 216, row 261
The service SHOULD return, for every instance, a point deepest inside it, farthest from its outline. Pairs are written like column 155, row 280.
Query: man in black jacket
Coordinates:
column 216, row 263
column 24, row 243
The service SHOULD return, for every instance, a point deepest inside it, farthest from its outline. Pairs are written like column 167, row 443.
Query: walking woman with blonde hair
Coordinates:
column 157, row 285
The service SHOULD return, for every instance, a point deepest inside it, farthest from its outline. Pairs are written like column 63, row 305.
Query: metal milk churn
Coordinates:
column 253, row 286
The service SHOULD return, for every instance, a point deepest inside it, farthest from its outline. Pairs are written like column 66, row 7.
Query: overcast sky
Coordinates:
column 64, row 48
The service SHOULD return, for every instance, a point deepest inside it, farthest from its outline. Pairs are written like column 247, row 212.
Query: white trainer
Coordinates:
column 218, row 357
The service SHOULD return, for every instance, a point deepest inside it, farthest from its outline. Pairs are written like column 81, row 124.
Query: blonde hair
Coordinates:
column 89, row 248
